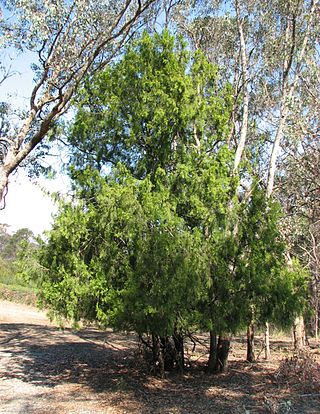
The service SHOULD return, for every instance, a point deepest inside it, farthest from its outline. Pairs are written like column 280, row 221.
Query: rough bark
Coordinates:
column 212, row 362
column 316, row 324
column 298, row 333
column 168, row 353
column 223, row 348
column 179, row 348
column 157, row 354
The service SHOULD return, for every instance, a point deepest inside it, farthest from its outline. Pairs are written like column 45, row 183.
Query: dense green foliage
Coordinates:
column 160, row 238
column 123, row 257
column 150, row 109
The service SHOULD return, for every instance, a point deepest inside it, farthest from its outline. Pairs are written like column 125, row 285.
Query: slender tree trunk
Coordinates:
column 298, row 333
column 245, row 108
column 3, row 187
column 267, row 341
column 158, row 362
column 250, row 342
column 212, row 362
column 168, row 353
column 275, row 150
column 287, row 93
column 155, row 350
column 222, row 354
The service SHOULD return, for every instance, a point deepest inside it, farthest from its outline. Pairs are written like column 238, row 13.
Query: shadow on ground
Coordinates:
column 108, row 365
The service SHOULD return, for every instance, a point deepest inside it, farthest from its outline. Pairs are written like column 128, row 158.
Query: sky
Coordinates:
column 27, row 205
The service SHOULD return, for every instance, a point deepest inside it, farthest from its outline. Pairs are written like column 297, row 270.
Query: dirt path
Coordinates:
column 46, row 370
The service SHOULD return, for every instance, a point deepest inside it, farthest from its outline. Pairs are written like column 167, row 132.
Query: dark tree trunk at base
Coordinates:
column 179, row 346
column 222, row 354
column 169, row 353
column 250, row 343
column 212, row 362
column 158, row 362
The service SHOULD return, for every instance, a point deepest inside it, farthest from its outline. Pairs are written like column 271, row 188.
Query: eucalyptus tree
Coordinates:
column 67, row 40
column 300, row 199
column 269, row 51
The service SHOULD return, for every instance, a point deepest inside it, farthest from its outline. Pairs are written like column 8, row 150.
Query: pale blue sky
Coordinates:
column 26, row 203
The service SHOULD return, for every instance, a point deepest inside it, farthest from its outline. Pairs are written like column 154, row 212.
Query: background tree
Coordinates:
column 300, row 199
column 11, row 248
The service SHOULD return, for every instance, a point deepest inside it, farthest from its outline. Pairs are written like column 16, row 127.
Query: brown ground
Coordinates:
column 47, row 370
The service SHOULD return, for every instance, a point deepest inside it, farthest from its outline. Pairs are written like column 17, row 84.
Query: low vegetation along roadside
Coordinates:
column 14, row 249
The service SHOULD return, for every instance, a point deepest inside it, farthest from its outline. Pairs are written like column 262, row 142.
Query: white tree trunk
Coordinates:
column 3, row 186
column 267, row 352
column 287, row 94
column 245, row 108
column 299, row 333
column 275, row 150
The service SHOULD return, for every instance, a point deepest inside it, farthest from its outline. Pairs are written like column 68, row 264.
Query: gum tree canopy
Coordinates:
column 68, row 39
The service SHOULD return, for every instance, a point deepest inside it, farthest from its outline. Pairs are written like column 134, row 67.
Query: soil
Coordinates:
column 47, row 370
